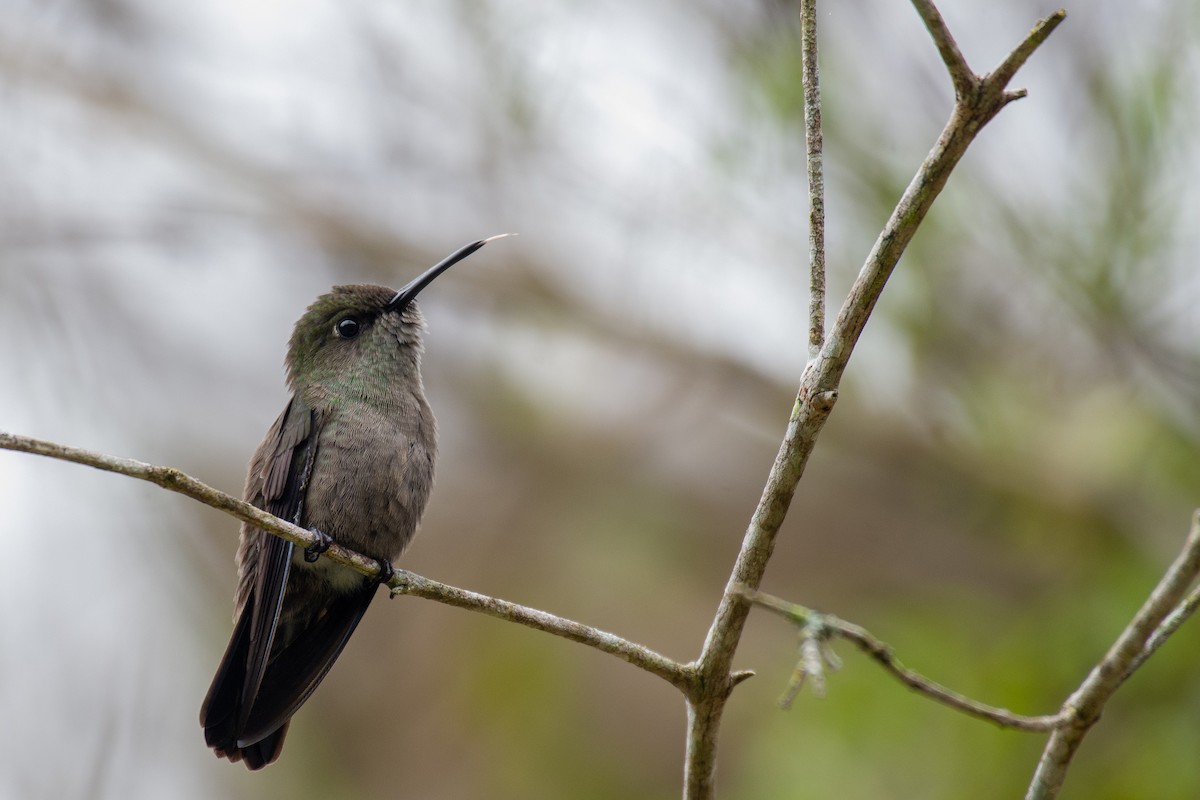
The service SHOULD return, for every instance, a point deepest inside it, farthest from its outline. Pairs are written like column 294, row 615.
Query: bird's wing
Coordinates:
column 289, row 450
column 276, row 483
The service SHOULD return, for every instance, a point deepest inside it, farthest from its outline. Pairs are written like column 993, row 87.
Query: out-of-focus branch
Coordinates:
column 818, row 393
column 115, row 95
column 820, row 627
column 403, row 582
column 1130, row 650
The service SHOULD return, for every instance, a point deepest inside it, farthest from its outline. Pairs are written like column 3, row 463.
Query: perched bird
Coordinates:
column 351, row 458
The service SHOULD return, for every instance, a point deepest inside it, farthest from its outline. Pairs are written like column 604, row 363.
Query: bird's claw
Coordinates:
column 386, row 571
column 313, row 551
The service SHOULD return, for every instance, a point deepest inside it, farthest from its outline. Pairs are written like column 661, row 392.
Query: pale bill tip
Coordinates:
column 497, row 236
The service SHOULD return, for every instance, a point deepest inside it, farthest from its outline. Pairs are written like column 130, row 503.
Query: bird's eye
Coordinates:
column 346, row 328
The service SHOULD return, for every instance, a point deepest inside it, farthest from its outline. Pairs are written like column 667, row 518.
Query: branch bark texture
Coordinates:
column 978, row 100
column 814, row 147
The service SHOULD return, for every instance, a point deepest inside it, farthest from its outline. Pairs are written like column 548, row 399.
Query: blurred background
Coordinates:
column 1011, row 465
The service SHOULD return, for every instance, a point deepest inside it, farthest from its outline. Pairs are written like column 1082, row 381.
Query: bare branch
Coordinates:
column 961, row 75
column 814, row 401
column 403, row 582
column 1017, row 58
column 824, row 626
column 1179, row 615
column 408, row 583
column 814, row 144
column 1126, row 653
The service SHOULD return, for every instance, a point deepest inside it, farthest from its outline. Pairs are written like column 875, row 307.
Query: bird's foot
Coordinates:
column 313, row 551
column 386, row 571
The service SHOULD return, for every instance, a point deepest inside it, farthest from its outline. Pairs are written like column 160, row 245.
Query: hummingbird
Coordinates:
column 351, row 458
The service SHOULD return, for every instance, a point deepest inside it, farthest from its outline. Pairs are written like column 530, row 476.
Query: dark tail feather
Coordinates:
column 252, row 729
column 262, row 752
column 295, row 672
column 223, row 706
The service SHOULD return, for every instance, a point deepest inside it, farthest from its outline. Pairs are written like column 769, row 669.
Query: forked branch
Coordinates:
column 819, row 384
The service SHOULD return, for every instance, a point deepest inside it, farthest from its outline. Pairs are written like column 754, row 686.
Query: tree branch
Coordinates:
column 403, row 582
column 814, row 143
column 961, row 75
column 675, row 673
column 1017, row 58
column 1129, row 651
column 821, row 627
column 814, row 401
column 1179, row 615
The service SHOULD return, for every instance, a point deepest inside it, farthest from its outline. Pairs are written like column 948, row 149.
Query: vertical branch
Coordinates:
column 713, row 680
column 814, row 144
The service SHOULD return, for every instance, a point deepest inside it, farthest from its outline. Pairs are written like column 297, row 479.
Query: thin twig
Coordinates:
column 1088, row 701
column 403, row 582
column 814, row 401
column 1179, row 615
column 828, row 625
column 1017, row 58
column 408, row 583
column 814, row 145
column 961, row 75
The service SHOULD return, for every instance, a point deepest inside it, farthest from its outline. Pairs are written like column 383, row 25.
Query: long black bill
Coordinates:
column 414, row 287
